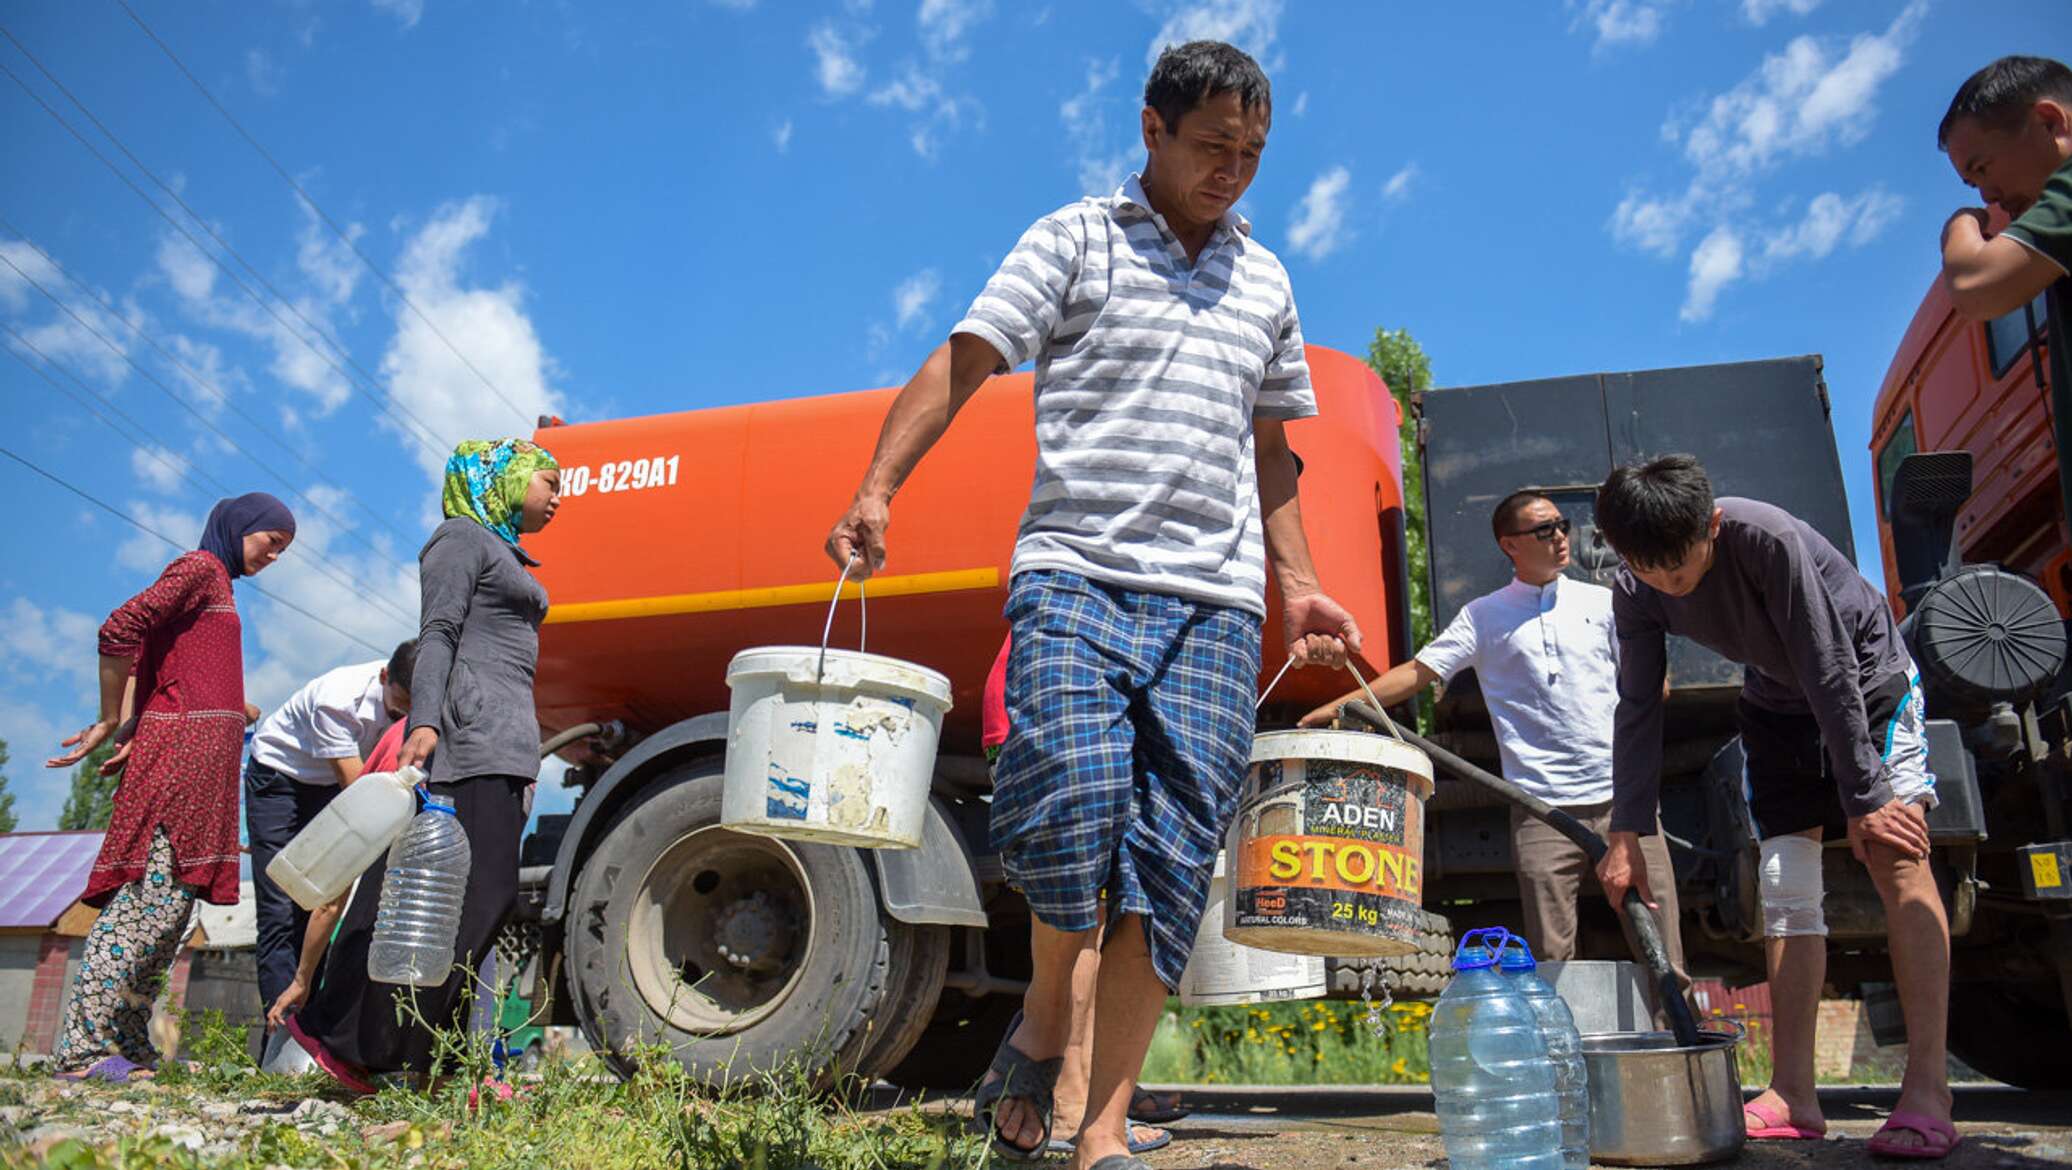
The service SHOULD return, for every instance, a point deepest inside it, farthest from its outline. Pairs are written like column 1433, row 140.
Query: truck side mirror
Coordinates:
column 1922, row 502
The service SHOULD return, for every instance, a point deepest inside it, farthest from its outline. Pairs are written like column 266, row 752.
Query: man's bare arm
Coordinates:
column 1989, row 277
column 1319, row 631
column 919, row 416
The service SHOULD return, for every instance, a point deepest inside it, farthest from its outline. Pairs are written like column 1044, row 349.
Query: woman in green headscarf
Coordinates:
column 472, row 729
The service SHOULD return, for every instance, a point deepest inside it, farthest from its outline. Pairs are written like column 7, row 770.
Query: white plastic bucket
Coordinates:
column 834, row 746
column 1221, row 973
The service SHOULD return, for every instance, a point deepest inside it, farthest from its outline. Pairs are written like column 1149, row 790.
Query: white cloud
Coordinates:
column 1301, row 103
column 15, row 292
column 42, row 643
column 160, row 467
column 190, row 273
column 945, row 23
column 911, row 299
column 143, row 552
column 1759, row 12
column 1715, row 264
column 1397, row 189
column 1085, row 115
column 489, row 325
column 1652, row 225
column 1800, row 101
column 406, row 12
column 1831, row 221
column 736, row 5
column 1317, row 228
column 292, row 649
column 263, row 72
column 1251, row 25
column 911, row 91
column 296, row 330
column 834, row 61
column 1620, row 22
column 66, row 339
column 782, row 137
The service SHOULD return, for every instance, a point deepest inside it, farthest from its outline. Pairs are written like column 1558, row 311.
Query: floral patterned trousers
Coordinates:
column 132, row 945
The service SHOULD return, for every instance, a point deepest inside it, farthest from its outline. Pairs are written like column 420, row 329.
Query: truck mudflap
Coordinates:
column 935, row 884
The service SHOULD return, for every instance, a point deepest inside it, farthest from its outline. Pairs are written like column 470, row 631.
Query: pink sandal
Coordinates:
column 1777, row 1125
column 1930, row 1130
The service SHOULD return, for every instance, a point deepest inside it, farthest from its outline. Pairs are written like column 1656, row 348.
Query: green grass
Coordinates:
column 1318, row 1043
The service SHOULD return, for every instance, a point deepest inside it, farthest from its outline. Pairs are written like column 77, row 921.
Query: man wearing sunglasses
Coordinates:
column 1546, row 658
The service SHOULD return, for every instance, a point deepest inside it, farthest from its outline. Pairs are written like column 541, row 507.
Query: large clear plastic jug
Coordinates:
column 1491, row 1080
column 419, row 914
column 1564, row 1048
column 348, row 836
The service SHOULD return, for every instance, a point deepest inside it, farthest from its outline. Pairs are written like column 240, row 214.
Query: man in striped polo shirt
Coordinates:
column 1168, row 360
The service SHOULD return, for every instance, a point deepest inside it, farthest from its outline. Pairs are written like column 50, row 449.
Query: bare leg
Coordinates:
column 1079, row 1042
column 1129, row 1001
column 1920, row 939
column 1046, row 1020
column 1798, row 969
column 1079, row 1052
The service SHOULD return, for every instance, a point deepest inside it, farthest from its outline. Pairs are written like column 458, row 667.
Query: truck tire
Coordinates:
column 2012, row 1032
column 1421, row 974
column 737, row 953
column 920, row 959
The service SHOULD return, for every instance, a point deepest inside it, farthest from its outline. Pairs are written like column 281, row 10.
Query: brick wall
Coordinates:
column 47, row 994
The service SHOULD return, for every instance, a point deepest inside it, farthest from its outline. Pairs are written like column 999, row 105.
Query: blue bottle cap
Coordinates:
column 1479, row 948
column 1517, row 955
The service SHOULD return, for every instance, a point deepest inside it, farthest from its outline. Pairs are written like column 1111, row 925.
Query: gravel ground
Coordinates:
column 1232, row 1129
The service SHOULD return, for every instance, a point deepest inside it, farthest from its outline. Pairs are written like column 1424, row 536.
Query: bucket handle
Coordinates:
column 1351, row 669
column 863, row 615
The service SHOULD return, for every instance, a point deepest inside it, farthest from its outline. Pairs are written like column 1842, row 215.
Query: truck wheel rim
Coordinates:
column 720, row 930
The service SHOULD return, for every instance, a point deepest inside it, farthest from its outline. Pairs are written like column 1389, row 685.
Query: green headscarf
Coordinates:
column 486, row 481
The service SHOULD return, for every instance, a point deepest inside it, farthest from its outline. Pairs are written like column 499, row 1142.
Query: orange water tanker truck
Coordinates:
column 686, row 538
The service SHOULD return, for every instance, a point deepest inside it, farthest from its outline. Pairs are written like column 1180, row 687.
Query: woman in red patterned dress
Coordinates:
column 173, row 837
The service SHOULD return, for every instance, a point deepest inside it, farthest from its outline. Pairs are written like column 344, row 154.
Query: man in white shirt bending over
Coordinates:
column 303, row 754
column 1543, row 649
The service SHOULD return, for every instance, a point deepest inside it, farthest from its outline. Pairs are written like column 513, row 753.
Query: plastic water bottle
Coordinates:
column 1491, row 1080
column 339, row 843
column 1564, row 1048
column 419, row 915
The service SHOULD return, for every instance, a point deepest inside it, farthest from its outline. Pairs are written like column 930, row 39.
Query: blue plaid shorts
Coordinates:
column 1130, row 730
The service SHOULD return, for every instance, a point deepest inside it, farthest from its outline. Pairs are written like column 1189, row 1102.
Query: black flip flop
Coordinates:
column 1145, row 1107
column 1023, row 1078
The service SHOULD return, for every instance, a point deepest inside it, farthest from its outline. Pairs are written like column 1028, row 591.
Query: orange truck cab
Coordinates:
column 1972, row 531
column 685, row 538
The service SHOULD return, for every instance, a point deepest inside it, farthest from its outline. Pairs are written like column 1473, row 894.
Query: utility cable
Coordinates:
column 203, row 419
column 437, row 446
column 111, row 509
column 222, row 395
column 180, row 467
column 310, row 200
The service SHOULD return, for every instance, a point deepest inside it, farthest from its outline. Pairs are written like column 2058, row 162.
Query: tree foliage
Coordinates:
column 7, row 819
column 91, row 803
column 1402, row 364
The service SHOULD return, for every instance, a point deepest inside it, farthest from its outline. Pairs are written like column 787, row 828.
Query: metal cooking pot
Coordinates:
column 1657, row 1104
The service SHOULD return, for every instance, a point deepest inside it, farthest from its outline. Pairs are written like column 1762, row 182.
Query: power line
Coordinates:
column 181, row 467
column 203, row 419
column 111, row 509
column 222, row 395
column 320, row 213
column 436, row 445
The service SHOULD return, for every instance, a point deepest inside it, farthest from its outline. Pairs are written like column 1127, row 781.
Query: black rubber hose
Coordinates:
column 1647, row 932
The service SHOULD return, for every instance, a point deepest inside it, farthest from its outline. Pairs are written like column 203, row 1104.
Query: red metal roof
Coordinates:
column 41, row 874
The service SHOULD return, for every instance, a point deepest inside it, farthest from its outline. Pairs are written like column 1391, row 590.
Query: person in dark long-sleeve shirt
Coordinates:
column 1832, row 732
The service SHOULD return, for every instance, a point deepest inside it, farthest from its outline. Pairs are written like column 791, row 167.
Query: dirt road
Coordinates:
column 1374, row 1129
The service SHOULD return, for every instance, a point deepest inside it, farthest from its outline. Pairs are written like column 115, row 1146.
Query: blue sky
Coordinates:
column 625, row 209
